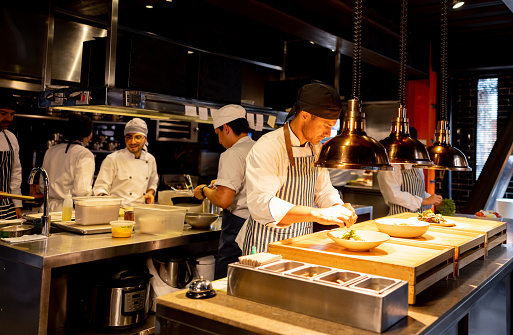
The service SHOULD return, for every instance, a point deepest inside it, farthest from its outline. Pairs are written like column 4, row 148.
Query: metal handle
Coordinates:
column 188, row 182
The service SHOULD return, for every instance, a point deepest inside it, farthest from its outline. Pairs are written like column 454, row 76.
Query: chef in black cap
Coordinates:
column 70, row 165
column 286, row 193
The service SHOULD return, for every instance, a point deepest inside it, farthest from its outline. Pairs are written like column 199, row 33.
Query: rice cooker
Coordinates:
column 122, row 300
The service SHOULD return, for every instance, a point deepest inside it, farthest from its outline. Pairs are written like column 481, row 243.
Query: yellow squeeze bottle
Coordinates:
column 67, row 207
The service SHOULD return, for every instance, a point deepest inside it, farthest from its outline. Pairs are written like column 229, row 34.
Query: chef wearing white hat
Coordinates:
column 229, row 189
column 130, row 173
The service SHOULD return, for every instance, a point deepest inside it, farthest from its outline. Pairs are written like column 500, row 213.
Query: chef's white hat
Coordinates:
column 227, row 114
column 136, row 126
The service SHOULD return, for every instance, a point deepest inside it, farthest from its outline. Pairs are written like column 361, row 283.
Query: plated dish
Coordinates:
column 402, row 227
column 358, row 240
column 435, row 219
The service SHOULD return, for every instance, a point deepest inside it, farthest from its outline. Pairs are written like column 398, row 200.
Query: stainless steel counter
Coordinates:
column 478, row 301
column 26, row 268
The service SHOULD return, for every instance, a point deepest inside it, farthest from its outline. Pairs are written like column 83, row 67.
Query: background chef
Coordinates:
column 229, row 190
column 69, row 165
column 283, row 185
column 10, row 175
column 130, row 173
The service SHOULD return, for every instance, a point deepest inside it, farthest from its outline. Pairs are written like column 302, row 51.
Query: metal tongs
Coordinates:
column 188, row 182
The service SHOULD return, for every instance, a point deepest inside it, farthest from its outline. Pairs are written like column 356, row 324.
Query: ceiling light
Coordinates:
column 149, row 6
column 401, row 147
column 443, row 155
column 457, row 4
column 353, row 149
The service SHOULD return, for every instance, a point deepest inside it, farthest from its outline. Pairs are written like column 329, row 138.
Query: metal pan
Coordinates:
column 17, row 230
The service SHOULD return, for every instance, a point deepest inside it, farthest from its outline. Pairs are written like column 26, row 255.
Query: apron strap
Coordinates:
column 288, row 144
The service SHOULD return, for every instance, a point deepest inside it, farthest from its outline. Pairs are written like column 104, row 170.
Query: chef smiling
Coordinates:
column 130, row 173
column 286, row 193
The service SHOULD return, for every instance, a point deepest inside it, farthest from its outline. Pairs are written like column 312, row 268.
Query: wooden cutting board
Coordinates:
column 468, row 246
column 420, row 266
column 494, row 231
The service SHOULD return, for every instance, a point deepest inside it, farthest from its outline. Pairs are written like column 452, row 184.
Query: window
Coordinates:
column 487, row 107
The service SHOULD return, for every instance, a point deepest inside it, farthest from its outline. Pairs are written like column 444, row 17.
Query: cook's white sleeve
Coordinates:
column 16, row 174
column 325, row 194
column 103, row 182
column 154, row 177
column 390, row 187
column 84, row 173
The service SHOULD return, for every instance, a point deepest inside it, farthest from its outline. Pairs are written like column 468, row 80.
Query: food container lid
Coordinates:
column 121, row 223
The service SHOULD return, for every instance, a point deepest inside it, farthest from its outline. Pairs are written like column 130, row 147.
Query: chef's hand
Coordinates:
column 18, row 212
column 197, row 192
column 348, row 206
column 149, row 197
column 337, row 214
column 435, row 199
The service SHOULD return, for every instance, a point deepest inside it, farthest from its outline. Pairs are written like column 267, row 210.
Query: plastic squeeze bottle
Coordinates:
column 67, row 207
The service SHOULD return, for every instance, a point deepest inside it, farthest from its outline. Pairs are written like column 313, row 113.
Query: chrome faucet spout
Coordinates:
column 45, row 219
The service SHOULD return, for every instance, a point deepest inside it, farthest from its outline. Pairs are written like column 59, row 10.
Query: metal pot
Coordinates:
column 176, row 272
column 17, row 230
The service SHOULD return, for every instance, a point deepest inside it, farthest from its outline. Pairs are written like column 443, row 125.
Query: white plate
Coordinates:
column 448, row 223
column 402, row 227
column 371, row 239
column 487, row 218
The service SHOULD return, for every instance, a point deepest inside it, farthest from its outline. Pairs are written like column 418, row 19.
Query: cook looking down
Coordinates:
column 283, row 185
column 129, row 173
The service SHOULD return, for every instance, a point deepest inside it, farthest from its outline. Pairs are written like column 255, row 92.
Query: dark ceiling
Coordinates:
column 479, row 33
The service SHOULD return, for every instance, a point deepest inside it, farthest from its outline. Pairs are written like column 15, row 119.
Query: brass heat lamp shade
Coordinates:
column 353, row 149
column 400, row 146
column 443, row 155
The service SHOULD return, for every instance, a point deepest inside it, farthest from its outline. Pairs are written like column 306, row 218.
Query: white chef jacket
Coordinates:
column 390, row 185
column 232, row 174
column 123, row 175
column 16, row 166
column 72, row 171
column 266, row 172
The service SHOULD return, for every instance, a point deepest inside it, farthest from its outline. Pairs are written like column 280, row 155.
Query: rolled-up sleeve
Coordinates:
column 325, row 194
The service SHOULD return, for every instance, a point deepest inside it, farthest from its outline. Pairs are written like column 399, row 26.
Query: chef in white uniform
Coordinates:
column 130, row 173
column 286, row 192
column 70, row 165
column 229, row 189
column 10, row 174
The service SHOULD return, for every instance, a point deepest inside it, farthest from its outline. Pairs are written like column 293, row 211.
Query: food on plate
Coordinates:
column 431, row 217
column 488, row 214
column 351, row 235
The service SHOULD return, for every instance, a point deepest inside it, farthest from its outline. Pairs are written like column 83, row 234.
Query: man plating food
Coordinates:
column 286, row 192
column 130, row 173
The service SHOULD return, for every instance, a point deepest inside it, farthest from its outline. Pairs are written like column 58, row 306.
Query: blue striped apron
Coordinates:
column 413, row 183
column 298, row 189
column 7, row 210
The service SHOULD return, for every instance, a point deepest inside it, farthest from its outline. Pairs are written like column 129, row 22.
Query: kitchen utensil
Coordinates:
column 200, row 289
column 402, row 227
column 16, row 196
column 159, row 219
column 17, row 230
column 176, row 272
column 188, row 182
column 200, row 220
column 121, row 300
column 370, row 239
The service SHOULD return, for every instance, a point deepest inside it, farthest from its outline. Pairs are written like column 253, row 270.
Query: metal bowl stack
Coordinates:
column 200, row 220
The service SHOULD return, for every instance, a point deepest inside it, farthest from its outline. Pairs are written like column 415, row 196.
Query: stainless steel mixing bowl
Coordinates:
column 200, row 220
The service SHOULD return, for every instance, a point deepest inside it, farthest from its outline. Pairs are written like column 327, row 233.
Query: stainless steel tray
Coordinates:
column 71, row 226
column 355, row 299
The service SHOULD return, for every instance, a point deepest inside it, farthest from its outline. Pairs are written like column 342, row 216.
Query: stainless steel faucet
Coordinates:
column 45, row 219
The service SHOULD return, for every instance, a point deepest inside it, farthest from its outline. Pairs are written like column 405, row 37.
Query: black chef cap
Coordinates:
column 318, row 99
column 78, row 127
column 8, row 101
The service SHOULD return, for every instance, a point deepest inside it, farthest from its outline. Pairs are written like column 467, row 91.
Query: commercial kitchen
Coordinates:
column 397, row 66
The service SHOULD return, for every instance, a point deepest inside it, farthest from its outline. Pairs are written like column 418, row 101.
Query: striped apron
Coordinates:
column 413, row 183
column 7, row 210
column 298, row 189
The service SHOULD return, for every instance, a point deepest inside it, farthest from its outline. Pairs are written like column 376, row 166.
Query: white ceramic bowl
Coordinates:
column 371, row 239
column 402, row 227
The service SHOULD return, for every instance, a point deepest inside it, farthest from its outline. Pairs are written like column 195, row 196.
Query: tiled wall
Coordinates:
column 463, row 130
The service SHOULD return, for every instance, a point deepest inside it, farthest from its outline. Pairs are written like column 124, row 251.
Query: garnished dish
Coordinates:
column 351, row 235
column 488, row 215
column 402, row 227
column 358, row 240
column 435, row 219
